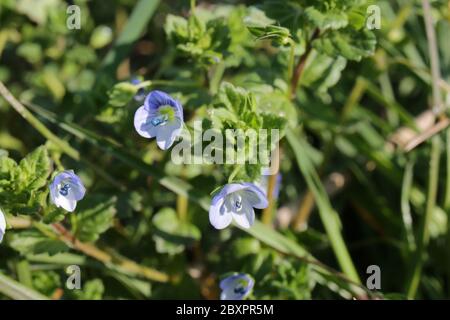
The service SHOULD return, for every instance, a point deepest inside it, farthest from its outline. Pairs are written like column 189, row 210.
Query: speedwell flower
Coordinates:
column 2, row 225
column 161, row 116
column 236, row 287
column 66, row 189
column 236, row 201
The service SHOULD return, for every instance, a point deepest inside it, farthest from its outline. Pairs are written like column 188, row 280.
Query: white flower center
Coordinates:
column 236, row 201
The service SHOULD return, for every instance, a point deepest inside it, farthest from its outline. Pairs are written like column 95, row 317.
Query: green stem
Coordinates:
column 35, row 123
column 24, row 273
column 447, row 207
column 405, row 207
column 423, row 237
column 182, row 207
column 167, row 83
column 291, row 63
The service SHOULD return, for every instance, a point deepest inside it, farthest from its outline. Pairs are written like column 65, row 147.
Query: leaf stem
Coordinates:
column 108, row 258
column 298, row 70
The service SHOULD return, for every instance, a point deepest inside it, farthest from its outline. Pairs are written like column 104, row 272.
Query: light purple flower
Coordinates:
column 236, row 287
column 236, row 201
column 66, row 189
column 2, row 225
column 161, row 116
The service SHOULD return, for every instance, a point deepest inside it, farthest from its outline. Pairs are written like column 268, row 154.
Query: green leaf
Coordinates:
column 171, row 234
column 279, row 35
column 328, row 215
column 142, row 12
column 34, row 242
column 236, row 99
column 92, row 290
column 100, row 37
column 322, row 72
column 33, row 170
column 121, row 94
column 243, row 247
column 95, row 217
column 348, row 43
column 332, row 19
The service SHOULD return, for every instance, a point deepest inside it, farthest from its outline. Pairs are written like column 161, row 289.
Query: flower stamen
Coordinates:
column 159, row 120
column 64, row 190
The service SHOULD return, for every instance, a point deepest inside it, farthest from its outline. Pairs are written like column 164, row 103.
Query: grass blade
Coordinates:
column 327, row 214
column 15, row 290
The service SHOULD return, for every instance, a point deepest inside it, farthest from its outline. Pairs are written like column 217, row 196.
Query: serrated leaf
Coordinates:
column 332, row 19
column 323, row 72
column 33, row 170
column 236, row 99
column 34, row 242
column 348, row 43
column 95, row 217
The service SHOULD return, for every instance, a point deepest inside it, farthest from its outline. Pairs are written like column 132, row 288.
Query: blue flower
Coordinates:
column 236, row 287
column 161, row 116
column 140, row 94
column 236, row 201
column 2, row 225
column 66, row 189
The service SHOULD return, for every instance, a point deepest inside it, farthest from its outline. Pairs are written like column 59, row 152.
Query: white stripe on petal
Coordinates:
column 246, row 216
column 219, row 217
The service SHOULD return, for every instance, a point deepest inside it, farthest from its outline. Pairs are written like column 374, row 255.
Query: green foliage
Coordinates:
column 121, row 94
column 35, row 242
column 22, row 185
column 338, row 93
column 348, row 43
column 171, row 234
column 205, row 41
column 95, row 216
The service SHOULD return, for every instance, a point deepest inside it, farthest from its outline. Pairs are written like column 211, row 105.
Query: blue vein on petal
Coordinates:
column 64, row 191
column 240, row 290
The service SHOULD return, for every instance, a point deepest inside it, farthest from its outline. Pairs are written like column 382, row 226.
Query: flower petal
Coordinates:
column 256, row 196
column 230, row 188
column 65, row 203
column 142, row 123
column 2, row 225
column 246, row 216
column 167, row 133
column 229, row 284
column 156, row 99
column 219, row 217
column 228, row 294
